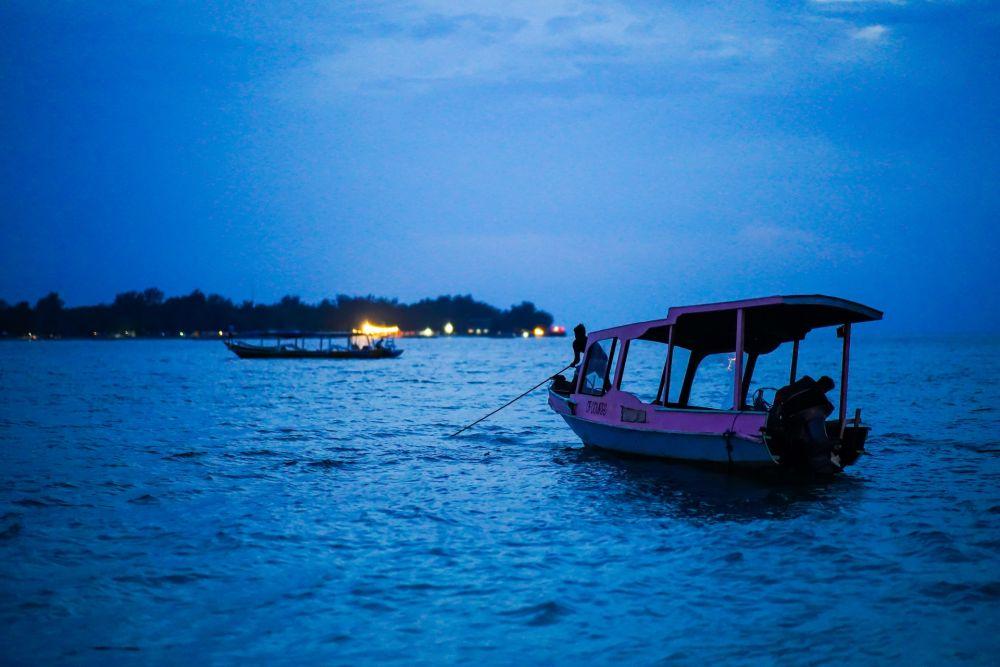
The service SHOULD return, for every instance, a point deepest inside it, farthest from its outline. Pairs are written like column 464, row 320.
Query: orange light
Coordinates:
column 539, row 332
column 375, row 330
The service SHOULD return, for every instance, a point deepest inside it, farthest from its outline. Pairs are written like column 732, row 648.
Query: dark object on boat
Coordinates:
column 797, row 425
column 561, row 385
column 292, row 345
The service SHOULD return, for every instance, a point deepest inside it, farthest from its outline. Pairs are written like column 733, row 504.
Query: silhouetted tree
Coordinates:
column 148, row 313
column 48, row 314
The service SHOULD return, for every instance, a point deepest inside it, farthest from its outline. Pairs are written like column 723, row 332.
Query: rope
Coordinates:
column 510, row 402
column 729, row 439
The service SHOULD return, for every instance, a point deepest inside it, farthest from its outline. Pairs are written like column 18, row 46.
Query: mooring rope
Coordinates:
column 510, row 402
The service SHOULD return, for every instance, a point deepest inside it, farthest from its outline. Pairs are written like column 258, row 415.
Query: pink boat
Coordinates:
column 793, row 430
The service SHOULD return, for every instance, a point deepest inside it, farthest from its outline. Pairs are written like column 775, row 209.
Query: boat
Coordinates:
column 328, row 345
column 793, row 429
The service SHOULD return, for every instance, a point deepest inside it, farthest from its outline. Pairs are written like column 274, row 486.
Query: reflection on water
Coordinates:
column 709, row 493
column 160, row 500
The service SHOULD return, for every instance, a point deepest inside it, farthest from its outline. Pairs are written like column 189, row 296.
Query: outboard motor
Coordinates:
column 796, row 423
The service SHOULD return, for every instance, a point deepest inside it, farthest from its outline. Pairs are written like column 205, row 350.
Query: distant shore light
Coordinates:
column 427, row 332
column 449, row 328
column 524, row 334
column 539, row 332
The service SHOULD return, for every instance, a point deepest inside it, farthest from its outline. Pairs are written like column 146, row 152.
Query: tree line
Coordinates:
column 148, row 313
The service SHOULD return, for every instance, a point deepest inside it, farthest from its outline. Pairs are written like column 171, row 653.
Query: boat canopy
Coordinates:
column 767, row 322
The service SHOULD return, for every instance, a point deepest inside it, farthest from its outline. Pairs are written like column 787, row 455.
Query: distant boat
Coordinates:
column 295, row 345
column 790, row 431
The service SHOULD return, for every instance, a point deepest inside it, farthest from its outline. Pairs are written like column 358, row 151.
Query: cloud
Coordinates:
column 436, row 44
column 560, row 49
column 859, row 2
column 543, row 42
column 784, row 242
column 870, row 33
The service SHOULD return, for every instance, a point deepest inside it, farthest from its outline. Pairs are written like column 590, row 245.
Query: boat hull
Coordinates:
column 711, row 448
column 708, row 437
column 257, row 352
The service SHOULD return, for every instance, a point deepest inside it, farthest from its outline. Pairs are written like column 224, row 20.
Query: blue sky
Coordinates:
column 605, row 160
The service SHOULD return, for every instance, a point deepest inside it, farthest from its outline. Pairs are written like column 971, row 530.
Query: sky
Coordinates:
column 605, row 160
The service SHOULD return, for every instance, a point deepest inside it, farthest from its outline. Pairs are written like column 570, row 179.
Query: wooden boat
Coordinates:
column 293, row 345
column 793, row 430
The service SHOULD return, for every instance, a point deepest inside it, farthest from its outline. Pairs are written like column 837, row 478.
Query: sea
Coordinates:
column 163, row 502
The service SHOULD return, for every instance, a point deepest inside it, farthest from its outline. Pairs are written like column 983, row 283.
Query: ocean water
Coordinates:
column 162, row 501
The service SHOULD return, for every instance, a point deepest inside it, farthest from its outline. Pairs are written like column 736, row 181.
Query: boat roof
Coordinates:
column 289, row 333
column 768, row 322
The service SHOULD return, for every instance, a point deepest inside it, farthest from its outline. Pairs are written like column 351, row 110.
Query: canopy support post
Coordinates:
column 620, row 369
column 844, row 363
column 692, row 367
column 748, row 376
column 663, row 394
column 738, row 374
column 795, row 361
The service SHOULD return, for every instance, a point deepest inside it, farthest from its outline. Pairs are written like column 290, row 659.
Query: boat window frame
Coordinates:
column 611, row 366
column 663, row 374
